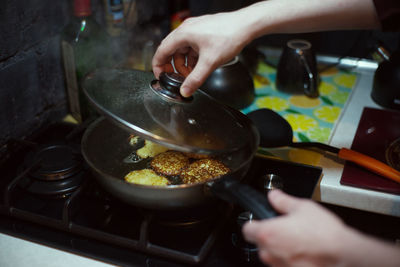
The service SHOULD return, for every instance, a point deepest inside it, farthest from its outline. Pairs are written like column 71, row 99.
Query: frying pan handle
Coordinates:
column 246, row 196
column 370, row 164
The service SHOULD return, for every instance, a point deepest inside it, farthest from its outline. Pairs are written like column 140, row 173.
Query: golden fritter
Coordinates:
column 203, row 170
column 146, row 177
column 169, row 163
column 133, row 140
column 150, row 149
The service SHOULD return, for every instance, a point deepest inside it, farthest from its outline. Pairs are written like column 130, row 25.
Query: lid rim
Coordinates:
column 124, row 97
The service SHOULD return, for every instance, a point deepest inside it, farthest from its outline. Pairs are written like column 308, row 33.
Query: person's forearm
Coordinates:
column 295, row 16
column 356, row 249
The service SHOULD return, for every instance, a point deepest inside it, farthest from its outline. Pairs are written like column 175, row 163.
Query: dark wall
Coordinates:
column 32, row 88
column 31, row 83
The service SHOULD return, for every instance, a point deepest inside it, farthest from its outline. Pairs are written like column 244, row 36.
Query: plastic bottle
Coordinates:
column 85, row 46
column 114, row 13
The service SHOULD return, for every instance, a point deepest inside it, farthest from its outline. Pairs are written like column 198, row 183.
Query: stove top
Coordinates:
column 47, row 195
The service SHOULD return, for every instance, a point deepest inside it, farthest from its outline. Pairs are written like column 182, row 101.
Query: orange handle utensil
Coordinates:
column 370, row 164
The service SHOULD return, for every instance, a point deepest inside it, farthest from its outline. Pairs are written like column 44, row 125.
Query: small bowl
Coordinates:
column 231, row 84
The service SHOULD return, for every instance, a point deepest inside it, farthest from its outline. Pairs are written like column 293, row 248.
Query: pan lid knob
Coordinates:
column 168, row 86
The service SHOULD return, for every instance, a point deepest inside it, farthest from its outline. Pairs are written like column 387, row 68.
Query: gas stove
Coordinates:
column 48, row 195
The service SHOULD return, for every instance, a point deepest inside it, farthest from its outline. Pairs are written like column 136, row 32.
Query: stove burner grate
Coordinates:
column 56, row 162
column 56, row 170
column 54, row 189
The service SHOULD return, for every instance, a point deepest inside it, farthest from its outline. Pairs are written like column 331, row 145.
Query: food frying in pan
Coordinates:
column 169, row 163
column 133, row 139
column 173, row 167
column 203, row 170
column 146, row 177
column 150, row 149
column 169, row 167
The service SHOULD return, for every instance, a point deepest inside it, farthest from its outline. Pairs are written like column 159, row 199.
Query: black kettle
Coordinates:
column 386, row 85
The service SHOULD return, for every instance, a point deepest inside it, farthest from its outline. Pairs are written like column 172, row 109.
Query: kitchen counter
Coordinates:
column 330, row 189
column 16, row 252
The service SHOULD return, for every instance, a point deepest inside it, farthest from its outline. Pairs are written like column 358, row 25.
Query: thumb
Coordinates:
column 197, row 77
column 283, row 202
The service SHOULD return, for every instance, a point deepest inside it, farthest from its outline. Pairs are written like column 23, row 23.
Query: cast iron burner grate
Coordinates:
column 55, row 170
column 185, row 236
column 56, row 162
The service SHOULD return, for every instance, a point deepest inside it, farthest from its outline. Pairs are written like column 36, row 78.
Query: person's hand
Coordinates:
column 201, row 44
column 305, row 234
column 198, row 46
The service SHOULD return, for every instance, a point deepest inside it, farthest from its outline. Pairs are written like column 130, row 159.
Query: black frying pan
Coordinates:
column 105, row 146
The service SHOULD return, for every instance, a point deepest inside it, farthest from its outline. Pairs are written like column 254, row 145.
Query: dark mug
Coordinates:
column 297, row 69
column 386, row 85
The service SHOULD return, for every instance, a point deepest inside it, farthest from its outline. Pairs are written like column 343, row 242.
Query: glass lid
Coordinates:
column 154, row 110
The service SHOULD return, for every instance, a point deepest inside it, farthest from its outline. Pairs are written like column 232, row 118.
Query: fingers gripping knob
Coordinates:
column 169, row 85
column 171, row 81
